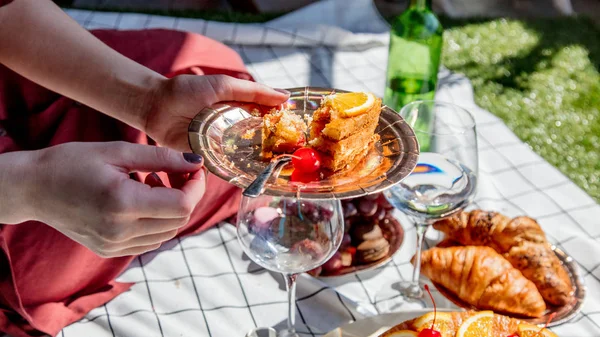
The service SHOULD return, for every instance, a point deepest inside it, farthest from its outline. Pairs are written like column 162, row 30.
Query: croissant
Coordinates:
column 483, row 278
column 521, row 241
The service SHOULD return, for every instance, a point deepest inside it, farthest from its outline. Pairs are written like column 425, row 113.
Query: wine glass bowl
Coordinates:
column 289, row 236
column 445, row 178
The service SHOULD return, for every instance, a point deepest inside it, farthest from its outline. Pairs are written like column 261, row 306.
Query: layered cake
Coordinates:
column 342, row 130
column 282, row 132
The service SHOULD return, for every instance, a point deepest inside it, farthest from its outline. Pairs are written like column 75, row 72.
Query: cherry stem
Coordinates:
column 550, row 318
column 434, row 308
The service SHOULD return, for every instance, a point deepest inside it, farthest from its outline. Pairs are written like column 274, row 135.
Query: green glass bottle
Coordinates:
column 413, row 60
column 414, row 55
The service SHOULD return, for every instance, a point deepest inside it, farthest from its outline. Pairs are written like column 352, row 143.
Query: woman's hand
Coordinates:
column 84, row 191
column 179, row 99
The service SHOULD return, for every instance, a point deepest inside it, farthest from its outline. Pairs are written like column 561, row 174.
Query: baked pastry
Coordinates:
column 343, row 129
column 372, row 250
column 483, row 278
column 282, row 132
column 451, row 324
column 521, row 241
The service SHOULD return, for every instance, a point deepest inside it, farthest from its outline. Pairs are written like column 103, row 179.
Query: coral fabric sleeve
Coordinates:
column 48, row 281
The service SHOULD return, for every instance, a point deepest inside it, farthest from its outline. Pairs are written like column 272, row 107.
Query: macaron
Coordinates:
column 372, row 250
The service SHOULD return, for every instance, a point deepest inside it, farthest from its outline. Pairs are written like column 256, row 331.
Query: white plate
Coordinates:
column 375, row 325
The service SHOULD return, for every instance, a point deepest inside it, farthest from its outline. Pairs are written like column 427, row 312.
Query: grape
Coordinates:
column 326, row 212
column 333, row 264
column 380, row 215
column 367, row 207
column 288, row 207
column 383, row 202
column 346, row 240
column 310, row 211
column 374, row 196
column 349, row 210
column 347, row 225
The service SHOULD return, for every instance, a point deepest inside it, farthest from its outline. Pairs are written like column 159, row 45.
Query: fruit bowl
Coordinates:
column 372, row 236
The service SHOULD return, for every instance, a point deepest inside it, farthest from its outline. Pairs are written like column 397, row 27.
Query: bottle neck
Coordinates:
column 420, row 4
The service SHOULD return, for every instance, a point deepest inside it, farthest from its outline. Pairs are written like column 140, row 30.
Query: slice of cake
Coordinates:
column 282, row 132
column 343, row 129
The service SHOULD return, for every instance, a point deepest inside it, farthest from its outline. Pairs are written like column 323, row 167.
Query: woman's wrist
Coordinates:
column 17, row 186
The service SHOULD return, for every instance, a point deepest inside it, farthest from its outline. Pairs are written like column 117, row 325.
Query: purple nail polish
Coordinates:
column 192, row 158
column 283, row 91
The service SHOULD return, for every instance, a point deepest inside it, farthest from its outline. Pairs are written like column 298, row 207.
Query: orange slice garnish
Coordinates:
column 443, row 323
column 530, row 330
column 351, row 104
column 478, row 325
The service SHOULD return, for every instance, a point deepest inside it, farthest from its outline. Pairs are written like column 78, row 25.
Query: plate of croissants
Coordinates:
column 489, row 261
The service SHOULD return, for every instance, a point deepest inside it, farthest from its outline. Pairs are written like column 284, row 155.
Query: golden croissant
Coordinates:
column 521, row 241
column 483, row 278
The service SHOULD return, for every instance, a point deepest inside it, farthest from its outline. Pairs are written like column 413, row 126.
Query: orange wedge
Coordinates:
column 478, row 325
column 530, row 330
column 351, row 104
column 443, row 323
column 403, row 333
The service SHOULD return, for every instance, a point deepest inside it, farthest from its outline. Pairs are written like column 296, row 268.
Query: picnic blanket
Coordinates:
column 178, row 291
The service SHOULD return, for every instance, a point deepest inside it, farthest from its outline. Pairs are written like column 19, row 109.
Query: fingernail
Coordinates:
column 283, row 91
column 192, row 158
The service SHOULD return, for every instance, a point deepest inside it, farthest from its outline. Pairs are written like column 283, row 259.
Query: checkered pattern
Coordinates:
column 205, row 286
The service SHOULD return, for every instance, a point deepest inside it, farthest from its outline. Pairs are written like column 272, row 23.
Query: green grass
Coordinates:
column 541, row 76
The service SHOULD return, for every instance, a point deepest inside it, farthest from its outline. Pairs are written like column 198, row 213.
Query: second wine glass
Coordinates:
column 445, row 178
column 289, row 236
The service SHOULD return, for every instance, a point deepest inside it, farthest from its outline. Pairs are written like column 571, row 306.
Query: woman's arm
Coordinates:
column 42, row 43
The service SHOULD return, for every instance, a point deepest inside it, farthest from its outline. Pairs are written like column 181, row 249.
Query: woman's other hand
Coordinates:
column 177, row 100
column 84, row 191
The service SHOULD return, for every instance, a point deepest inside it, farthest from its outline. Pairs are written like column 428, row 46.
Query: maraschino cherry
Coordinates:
column 306, row 160
column 430, row 332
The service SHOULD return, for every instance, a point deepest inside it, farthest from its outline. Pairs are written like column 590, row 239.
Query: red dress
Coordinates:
column 48, row 281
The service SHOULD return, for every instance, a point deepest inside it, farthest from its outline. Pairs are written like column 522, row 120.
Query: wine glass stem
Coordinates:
column 290, row 283
column 421, row 228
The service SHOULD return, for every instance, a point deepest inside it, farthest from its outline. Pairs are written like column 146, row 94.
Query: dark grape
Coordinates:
column 383, row 202
column 347, row 225
column 288, row 207
column 333, row 264
column 310, row 211
column 349, row 210
column 326, row 212
column 374, row 196
column 346, row 240
column 367, row 207
column 380, row 214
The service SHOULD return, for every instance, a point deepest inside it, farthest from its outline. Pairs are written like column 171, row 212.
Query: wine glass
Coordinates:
column 445, row 178
column 289, row 236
